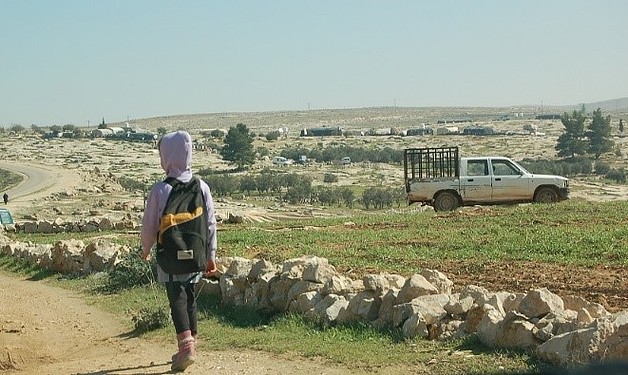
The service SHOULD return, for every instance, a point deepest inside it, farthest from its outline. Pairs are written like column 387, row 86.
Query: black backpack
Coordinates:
column 183, row 229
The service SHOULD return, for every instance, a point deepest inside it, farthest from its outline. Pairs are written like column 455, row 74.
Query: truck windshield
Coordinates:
column 522, row 169
column 508, row 167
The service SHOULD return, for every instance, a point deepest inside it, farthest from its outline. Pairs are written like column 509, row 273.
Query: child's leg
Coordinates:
column 192, row 310
column 177, row 297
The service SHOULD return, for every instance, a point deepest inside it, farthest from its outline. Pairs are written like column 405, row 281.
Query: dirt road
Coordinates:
column 47, row 330
column 38, row 181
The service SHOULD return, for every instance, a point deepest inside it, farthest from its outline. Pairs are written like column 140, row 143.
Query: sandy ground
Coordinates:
column 47, row 330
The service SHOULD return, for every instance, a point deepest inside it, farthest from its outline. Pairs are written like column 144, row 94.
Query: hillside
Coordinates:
column 366, row 118
column 619, row 106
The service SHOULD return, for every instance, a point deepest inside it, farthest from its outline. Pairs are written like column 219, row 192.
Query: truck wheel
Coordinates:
column 445, row 201
column 546, row 195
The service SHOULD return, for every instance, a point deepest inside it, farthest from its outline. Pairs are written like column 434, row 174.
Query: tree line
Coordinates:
column 579, row 143
column 238, row 148
column 295, row 188
column 580, row 139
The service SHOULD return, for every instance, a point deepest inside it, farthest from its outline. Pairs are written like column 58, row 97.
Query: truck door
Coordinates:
column 475, row 186
column 508, row 184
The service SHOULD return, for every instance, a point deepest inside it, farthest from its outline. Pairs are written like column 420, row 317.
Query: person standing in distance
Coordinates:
column 175, row 152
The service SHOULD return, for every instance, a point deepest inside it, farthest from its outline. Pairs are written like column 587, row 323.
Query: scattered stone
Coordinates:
column 563, row 332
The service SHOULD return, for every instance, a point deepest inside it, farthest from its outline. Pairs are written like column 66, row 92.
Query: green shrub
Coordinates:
column 585, row 166
column 272, row 136
column 132, row 271
column 568, row 167
column 148, row 319
column 618, row 176
column 330, row 177
column 130, row 184
column 377, row 198
column 262, row 151
column 222, row 185
column 602, row 168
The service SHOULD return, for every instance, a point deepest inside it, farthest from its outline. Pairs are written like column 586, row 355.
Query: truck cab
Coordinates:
column 500, row 179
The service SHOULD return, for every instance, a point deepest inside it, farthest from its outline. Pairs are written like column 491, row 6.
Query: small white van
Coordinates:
column 280, row 160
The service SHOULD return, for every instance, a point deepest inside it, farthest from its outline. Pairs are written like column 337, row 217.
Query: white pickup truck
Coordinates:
column 440, row 178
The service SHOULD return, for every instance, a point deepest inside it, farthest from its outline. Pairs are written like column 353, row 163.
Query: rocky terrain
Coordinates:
column 76, row 180
column 87, row 172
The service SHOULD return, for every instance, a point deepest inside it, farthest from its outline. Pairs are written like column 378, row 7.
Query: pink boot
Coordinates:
column 174, row 356
column 187, row 352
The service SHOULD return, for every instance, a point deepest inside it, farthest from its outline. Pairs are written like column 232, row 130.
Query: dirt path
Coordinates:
column 48, row 330
column 39, row 181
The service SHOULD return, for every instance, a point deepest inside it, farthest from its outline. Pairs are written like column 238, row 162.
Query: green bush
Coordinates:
column 585, row 166
column 348, row 197
column 326, row 196
column 567, row 167
column 222, row 185
column 262, row 151
column 337, row 152
column 602, row 168
column 377, row 198
column 330, row 177
column 132, row 271
column 150, row 319
column 130, row 184
column 272, row 136
column 618, row 176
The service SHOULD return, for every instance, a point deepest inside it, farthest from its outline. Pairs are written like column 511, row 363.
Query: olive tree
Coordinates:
column 238, row 146
column 572, row 142
column 599, row 134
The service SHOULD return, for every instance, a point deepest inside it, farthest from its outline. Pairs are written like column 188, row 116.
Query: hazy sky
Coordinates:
column 70, row 62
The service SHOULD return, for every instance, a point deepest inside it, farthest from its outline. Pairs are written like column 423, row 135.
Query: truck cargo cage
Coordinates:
column 430, row 163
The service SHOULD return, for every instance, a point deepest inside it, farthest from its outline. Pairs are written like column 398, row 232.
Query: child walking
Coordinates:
column 175, row 151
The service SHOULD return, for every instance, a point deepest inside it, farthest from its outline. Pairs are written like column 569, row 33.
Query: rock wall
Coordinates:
column 67, row 256
column 59, row 225
column 97, row 224
column 561, row 330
